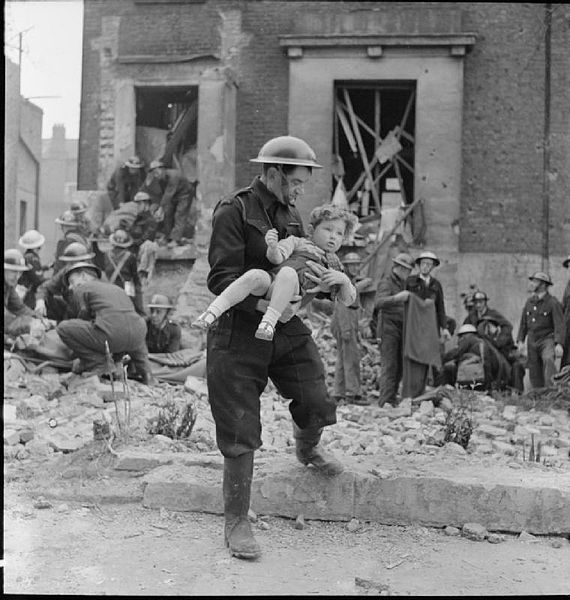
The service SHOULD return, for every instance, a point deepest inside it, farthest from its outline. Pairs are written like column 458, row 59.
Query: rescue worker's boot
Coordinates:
column 308, row 451
column 238, row 473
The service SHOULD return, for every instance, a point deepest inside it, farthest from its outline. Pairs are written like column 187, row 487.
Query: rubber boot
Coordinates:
column 308, row 451
column 238, row 473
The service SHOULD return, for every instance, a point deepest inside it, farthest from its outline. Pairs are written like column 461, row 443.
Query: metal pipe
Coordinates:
column 546, row 139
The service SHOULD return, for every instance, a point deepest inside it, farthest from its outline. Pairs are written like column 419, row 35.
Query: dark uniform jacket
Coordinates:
column 123, row 185
column 238, row 241
column 432, row 290
column 33, row 278
column 504, row 339
column 390, row 314
column 171, row 188
column 13, row 303
column 165, row 338
column 68, row 238
column 144, row 228
column 107, row 305
column 121, row 266
column 542, row 318
column 566, row 309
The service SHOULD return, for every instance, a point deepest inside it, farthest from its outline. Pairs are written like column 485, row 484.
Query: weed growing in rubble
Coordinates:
column 459, row 423
column 174, row 421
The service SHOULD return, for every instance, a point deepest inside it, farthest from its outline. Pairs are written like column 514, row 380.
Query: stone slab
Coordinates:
column 436, row 492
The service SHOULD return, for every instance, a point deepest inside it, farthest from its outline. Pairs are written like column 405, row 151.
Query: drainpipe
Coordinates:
column 546, row 139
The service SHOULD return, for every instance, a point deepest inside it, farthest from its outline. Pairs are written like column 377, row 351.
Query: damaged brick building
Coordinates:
column 469, row 92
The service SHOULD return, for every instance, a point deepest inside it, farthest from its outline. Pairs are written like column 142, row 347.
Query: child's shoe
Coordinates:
column 265, row 331
column 204, row 321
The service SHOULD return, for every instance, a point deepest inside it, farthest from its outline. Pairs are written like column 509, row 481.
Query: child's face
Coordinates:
column 329, row 235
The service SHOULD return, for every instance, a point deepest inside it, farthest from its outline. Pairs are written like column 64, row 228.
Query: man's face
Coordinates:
column 329, row 235
column 534, row 285
column 352, row 269
column 158, row 173
column 158, row 315
column 11, row 277
column 401, row 272
column 289, row 188
column 426, row 265
column 78, row 278
column 132, row 171
column 480, row 305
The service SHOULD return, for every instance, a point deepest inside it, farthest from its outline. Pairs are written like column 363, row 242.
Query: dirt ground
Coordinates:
column 74, row 548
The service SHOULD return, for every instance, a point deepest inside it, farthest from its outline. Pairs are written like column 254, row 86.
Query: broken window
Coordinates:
column 167, row 126
column 373, row 144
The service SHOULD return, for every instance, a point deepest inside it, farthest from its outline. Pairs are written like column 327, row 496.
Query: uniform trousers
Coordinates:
column 541, row 365
column 239, row 366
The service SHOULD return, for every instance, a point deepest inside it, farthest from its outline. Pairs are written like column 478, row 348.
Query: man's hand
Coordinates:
column 271, row 238
column 445, row 335
column 558, row 351
column 402, row 296
column 322, row 277
column 40, row 308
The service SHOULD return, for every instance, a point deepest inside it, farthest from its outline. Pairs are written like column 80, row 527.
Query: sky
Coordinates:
column 51, row 58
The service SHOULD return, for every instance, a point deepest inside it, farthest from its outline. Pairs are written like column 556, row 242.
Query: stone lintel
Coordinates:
column 163, row 58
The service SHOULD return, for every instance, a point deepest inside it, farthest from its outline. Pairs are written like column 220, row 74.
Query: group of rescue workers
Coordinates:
column 264, row 267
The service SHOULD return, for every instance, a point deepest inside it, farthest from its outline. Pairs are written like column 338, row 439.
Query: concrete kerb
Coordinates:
column 501, row 499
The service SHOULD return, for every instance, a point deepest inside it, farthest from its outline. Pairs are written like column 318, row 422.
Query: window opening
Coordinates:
column 167, row 126
column 23, row 217
column 374, row 137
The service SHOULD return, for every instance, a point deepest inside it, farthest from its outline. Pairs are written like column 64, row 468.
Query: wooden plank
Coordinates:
column 400, row 178
column 346, row 128
column 362, row 150
column 405, row 163
column 364, row 125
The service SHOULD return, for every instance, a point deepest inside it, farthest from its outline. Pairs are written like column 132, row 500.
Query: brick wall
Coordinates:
column 501, row 199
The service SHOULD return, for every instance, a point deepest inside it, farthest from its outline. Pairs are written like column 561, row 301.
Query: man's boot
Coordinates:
column 308, row 451
column 238, row 473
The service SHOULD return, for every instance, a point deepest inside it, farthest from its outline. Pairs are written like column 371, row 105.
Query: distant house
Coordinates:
column 22, row 158
column 444, row 101
column 58, row 184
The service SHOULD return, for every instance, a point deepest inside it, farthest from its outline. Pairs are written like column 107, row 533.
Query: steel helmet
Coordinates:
column 141, row 197
column 160, row 301
column 121, row 238
column 76, row 252
column 404, row 260
column 478, row 295
column 67, row 218
column 429, row 255
column 287, row 150
column 14, row 260
column 541, row 276
column 81, row 265
column 352, row 258
column 134, row 162
column 32, row 239
column 78, row 207
column 156, row 164
column 466, row 329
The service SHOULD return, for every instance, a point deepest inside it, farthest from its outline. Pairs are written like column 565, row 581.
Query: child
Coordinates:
column 329, row 226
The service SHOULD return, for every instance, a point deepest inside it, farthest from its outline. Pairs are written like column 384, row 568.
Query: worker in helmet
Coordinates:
column 72, row 232
column 345, row 327
column 389, row 304
column 175, row 194
column 125, row 181
column 238, row 364
column 53, row 297
column 542, row 326
column 32, row 242
column 17, row 316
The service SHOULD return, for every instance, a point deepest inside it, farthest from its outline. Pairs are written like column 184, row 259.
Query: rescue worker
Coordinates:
column 121, row 268
column 542, row 325
column 72, row 232
column 175, row 194
column 239, row 365
column 390, row 300
column 345, row 326
column 105, row 313
column 425, row 285
column 492, row 328
column 53, row 297
column 469, row 343
column 566, row 309
column 163, row 334
column 79, row 210
column 143, row 231
column 126, row 181
column 17, row 316
column 481, row 308
column 32, row 241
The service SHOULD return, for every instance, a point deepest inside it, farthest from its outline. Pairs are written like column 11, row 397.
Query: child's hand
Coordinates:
column 271, row 238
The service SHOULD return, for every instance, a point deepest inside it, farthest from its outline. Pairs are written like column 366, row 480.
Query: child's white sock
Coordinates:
column 219, row 306
column 271, row 316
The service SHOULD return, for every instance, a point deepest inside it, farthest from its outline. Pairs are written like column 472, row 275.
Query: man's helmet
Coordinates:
column 160, row 301
column 429, row 255
column 32, row 239
column 287, row 150
column 67, row 218
column 121, row 238
column 81, row 266
column 78, row 207
column 14, row 260
column 540, row 276
column 352, row 258
column 76, row 252
column 466, row 329
column 404, row 260
column 156, row 164
column 478, row 295
column 141, row 197
column 134, row 162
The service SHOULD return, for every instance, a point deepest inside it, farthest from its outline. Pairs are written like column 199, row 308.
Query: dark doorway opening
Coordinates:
column 374, row 135
column 167, row 126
